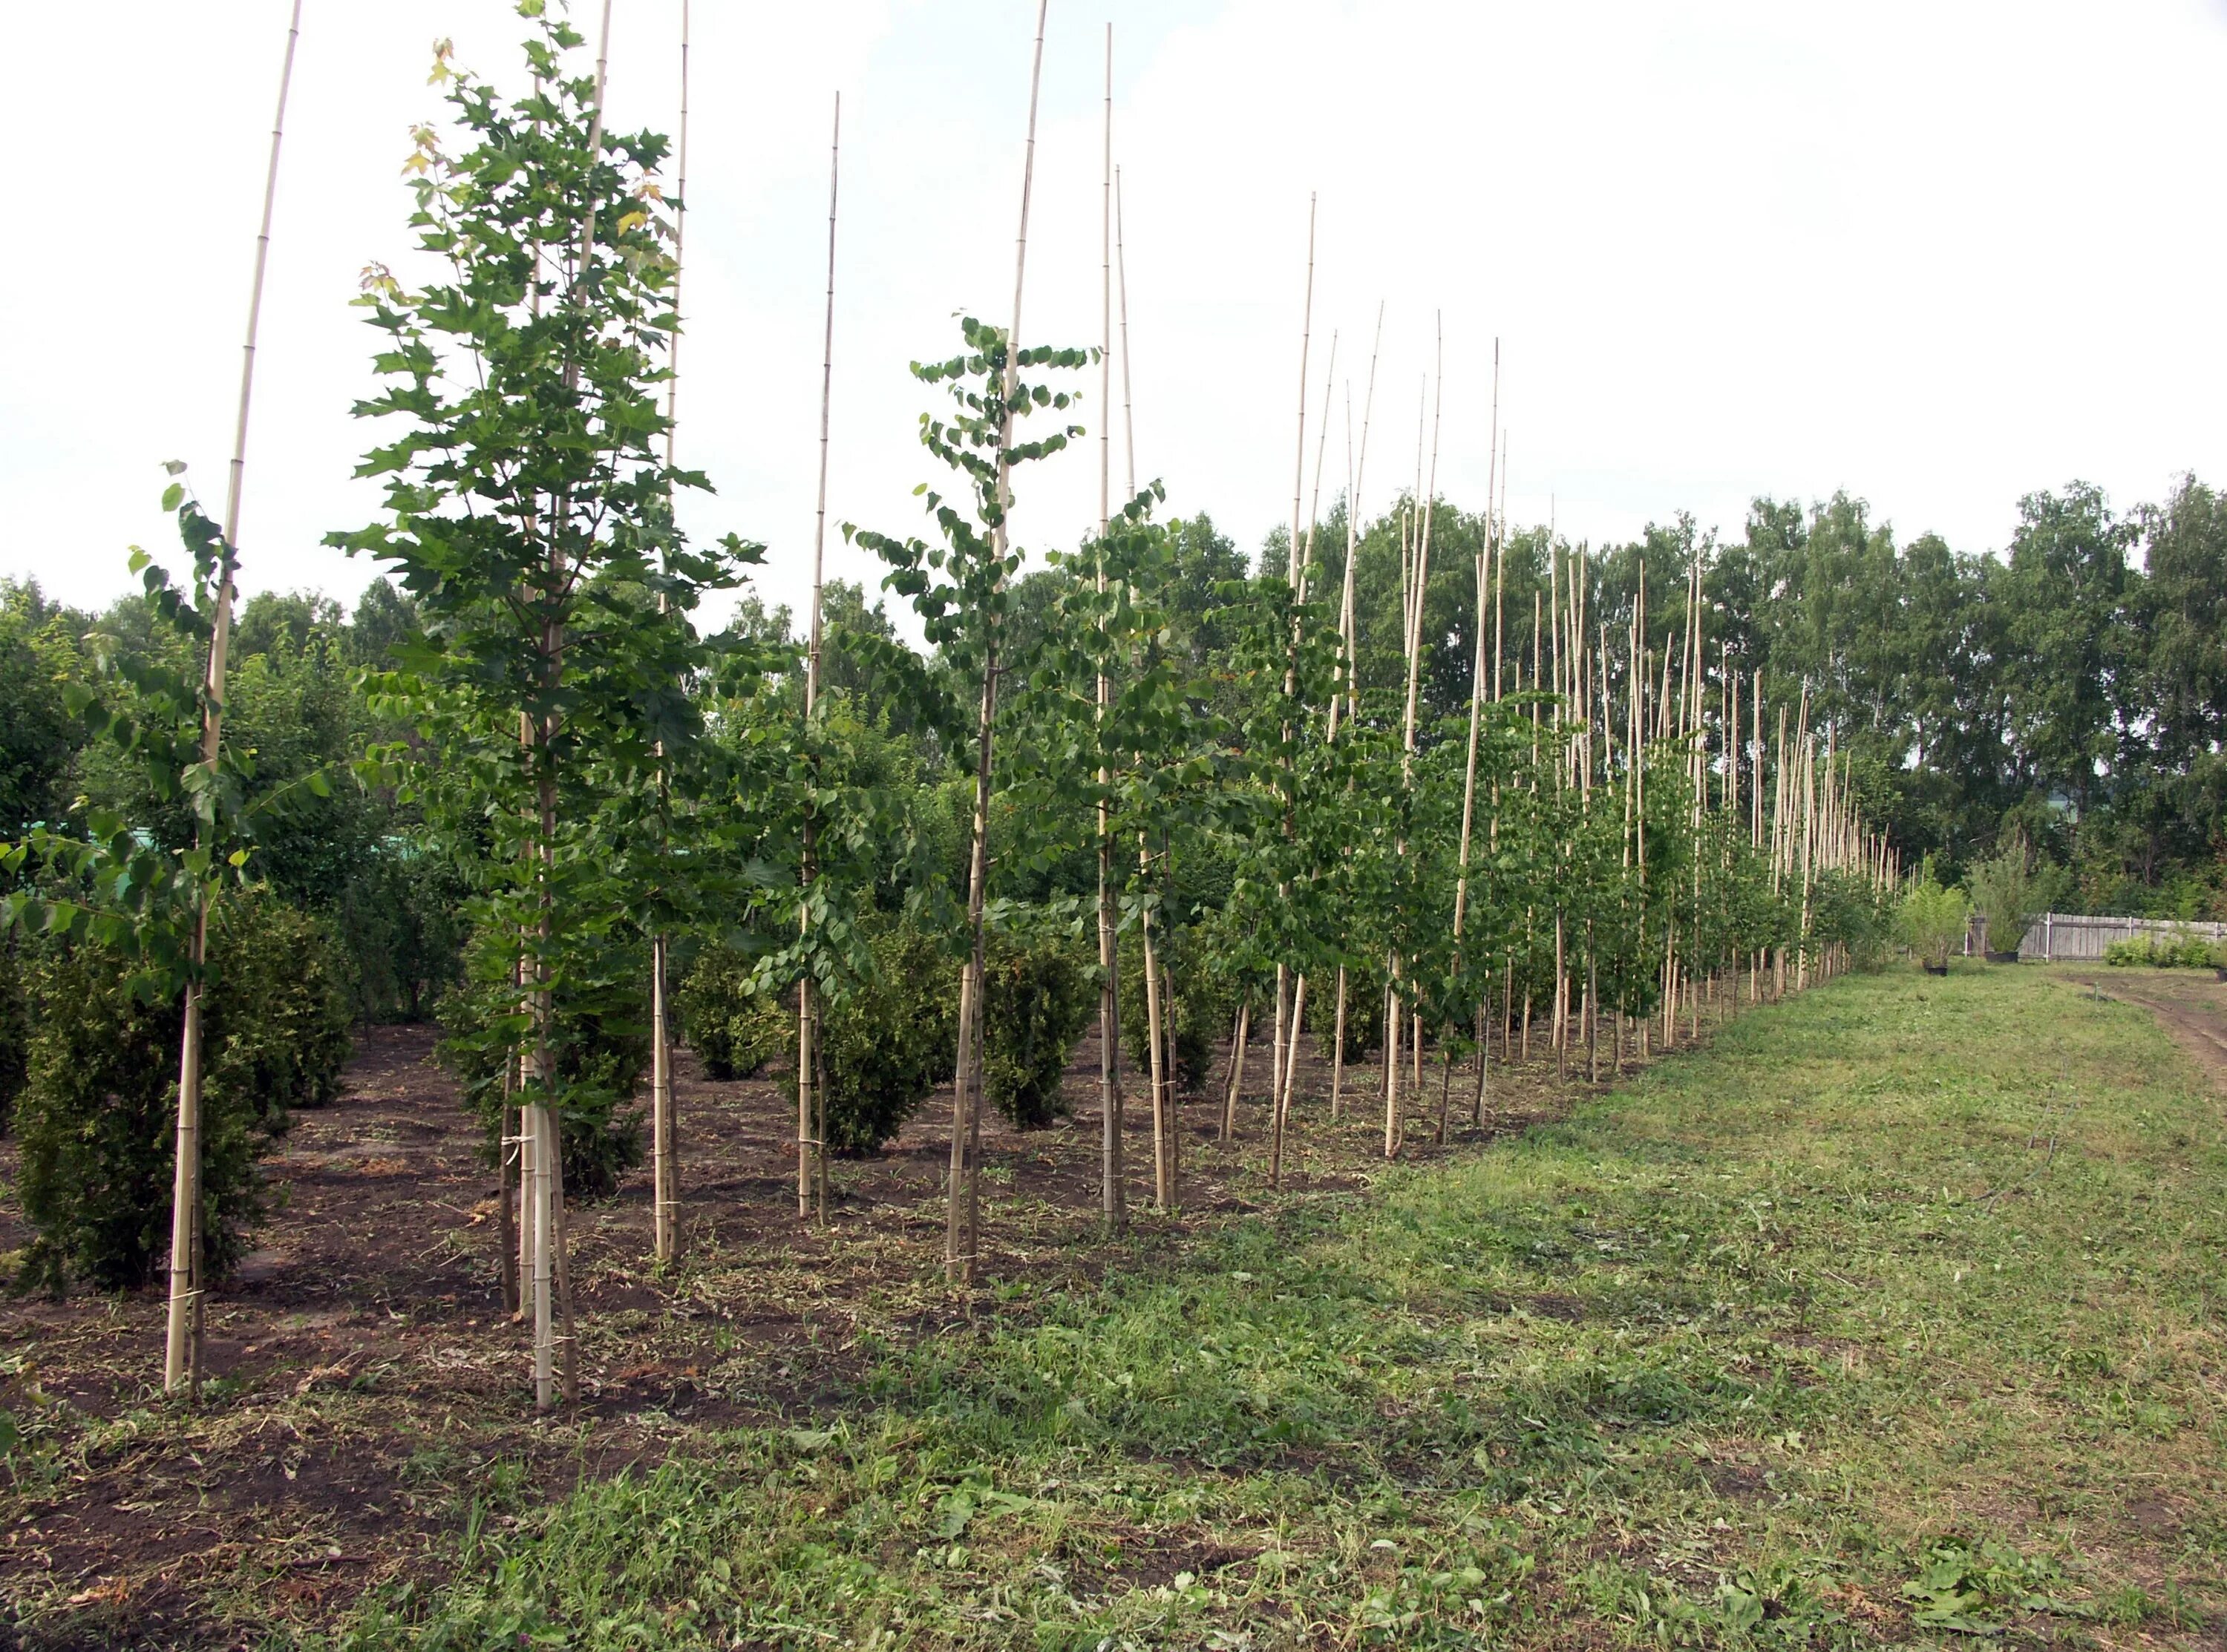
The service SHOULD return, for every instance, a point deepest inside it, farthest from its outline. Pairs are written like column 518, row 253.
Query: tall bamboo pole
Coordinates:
column 812, row 1133
column 1475, row 721
column 1113, row 1195
column 1413, row 641
column 664, row 1198
column 963, row 1228
column 1164, row 1137
column 182, row 1354
column 1277, row 1086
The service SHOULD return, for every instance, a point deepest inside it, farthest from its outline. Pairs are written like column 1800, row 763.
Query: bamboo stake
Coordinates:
column 663, row 1192
column 812, row 1133
column 1241, row 1036
column 1121, row 286
column 1113, row 1196
column 1476, row 720
column 1346, row 616
column 1337, row 1048
column 963, row 1229
column 1300, row 458
column 1413, row 641
column 182, row 1355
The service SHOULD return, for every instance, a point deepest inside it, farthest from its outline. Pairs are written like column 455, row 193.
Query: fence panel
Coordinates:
column 2077, row 938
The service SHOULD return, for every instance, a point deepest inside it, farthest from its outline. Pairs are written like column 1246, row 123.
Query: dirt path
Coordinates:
column 2190, row 1004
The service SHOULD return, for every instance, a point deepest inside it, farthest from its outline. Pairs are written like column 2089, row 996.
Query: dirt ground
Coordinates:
column 363, row 1373
column 2190, row 1004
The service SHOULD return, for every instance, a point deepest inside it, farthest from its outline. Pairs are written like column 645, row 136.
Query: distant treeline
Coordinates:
column 2073, row 690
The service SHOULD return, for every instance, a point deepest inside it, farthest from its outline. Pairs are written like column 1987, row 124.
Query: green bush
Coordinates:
column 888, row 1040
column 14, row 1032
column 400, row 916
column 2181, row 951
column 601, row 1040
column 1202, row 1008
column 1364, row 1015
column 98, row 1110
column 1930, row 919
column 2010, row 888
column 734, row 1028
column 1041, row 994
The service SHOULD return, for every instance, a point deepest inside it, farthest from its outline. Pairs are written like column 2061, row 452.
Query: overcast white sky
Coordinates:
column 1937, row 254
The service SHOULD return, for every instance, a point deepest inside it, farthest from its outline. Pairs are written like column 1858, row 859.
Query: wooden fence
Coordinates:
column 2065, row 936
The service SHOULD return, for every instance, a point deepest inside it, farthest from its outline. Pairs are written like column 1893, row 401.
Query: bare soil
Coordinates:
column 363, row 1373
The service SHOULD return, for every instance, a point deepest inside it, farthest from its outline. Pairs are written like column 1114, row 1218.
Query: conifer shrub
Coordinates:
column 734, row 1026
column 1203, row 1008
column 14, row 1033
column 891, row 1040
column 1365, row 1014
column 601, row 1035
column 98, row 1108
column 1040, row 995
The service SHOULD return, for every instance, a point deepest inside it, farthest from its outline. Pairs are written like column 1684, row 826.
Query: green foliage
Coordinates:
column 400, row 916
column 2009, row 891
column 599, row 1039
column 136, row 879
column 37, row 732
column 1930, row 919
column 15, row 1030
column 2182, row 950
column 732, row 1022
column 100, row 1109
column 1041, row 991
column 529, row 520
column 889, row 1041
column 1976, row 1588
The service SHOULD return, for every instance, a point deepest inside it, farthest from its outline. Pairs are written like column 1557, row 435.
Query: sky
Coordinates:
column 1936, row 255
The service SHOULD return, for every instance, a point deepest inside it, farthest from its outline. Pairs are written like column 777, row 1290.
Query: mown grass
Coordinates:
column 1895, row 1315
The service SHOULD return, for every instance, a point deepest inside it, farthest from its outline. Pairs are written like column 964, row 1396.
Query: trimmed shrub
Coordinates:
column 602, row 1039
column 14, row 1033
column 888, row 1041
column 1365, row 1014
column 1202, row 1008
column 734, row 1028
column 1041, row 994
column 98, row 1110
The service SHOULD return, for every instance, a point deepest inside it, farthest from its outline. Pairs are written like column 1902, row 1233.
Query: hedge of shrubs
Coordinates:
column 2165, row 952
column 888, row 1040
column 97, row 1107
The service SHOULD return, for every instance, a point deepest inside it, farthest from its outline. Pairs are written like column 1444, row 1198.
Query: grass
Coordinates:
column 1894, row 1314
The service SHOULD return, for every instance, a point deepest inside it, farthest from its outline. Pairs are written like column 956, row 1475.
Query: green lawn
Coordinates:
column 1894, row 1314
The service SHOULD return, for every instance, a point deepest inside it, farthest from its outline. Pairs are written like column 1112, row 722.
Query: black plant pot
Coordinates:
column 1932, row 968
column 2219, row 974
column 2003, row 957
